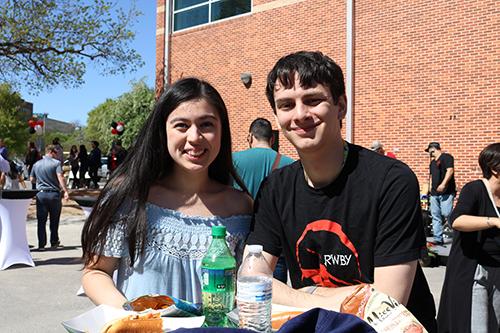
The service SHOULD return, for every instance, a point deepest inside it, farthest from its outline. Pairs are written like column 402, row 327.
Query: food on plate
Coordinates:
column 280, row 318
column 149, row 322
column 155, row 302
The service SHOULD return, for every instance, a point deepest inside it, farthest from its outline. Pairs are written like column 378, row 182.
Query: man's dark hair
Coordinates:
column 95, row 143
column 50, row 149
column 55, row 141
column 489, row 160
column 313, row 68
column 261, row 129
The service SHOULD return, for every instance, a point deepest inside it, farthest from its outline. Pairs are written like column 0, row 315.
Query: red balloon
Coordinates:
column 114, row 131
column 31, row 123
column 40, row 122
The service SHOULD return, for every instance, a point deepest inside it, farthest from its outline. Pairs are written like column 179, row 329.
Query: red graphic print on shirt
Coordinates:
column 326, row 256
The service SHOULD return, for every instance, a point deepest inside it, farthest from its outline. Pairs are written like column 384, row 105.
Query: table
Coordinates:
column 14, row 248
column 86, row 203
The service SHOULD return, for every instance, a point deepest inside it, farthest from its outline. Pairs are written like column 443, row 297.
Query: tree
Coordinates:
column 44, row 43
column 132, row 108
column 13, row 128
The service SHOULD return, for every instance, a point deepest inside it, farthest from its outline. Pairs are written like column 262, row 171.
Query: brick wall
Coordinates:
column 428, row 71
column 424, row 71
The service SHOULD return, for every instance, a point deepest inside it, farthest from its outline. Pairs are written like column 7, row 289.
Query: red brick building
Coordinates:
column 422, row 70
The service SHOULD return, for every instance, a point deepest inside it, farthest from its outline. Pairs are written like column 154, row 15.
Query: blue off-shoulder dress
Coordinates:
column 175, row 245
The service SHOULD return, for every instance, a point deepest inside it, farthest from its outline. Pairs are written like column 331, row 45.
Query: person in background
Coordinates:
column 443, row 188
column 470, row 299
column 94, row 164
column 73, row 162
column 378, row 147
column 59, row 150
column 10, row 180
column 152, row 221
column 4, row 164
column 3, row 150
column 32, row 156
column 83, row 158
column 341, row 215
column 256, row 163
column 116, row 155
column 48, row 176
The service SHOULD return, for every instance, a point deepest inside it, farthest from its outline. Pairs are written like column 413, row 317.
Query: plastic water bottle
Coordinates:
column 218, row 269
column 254, row 291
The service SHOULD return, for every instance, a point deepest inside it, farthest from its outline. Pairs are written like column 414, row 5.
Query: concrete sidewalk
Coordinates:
column 37, row 299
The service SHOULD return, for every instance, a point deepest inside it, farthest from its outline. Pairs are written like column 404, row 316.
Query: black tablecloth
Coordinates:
column 18, row 194
column 85, row 200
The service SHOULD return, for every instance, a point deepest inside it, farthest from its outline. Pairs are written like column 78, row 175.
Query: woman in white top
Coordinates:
column 12, row 178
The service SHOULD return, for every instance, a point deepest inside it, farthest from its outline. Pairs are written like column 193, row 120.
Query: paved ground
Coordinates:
column 37, row 299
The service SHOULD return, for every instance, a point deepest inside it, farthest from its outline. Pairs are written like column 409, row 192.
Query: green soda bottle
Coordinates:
column 218, row 269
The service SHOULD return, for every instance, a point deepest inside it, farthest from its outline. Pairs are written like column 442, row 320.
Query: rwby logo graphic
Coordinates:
column 325, row 253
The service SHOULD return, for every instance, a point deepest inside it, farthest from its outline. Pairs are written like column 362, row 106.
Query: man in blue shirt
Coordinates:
column 48, row 175
column 256, row 163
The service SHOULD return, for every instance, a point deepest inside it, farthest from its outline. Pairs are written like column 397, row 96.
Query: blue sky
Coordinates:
column 73, row 104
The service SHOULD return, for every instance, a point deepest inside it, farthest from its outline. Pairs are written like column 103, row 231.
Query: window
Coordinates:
column 190, row 13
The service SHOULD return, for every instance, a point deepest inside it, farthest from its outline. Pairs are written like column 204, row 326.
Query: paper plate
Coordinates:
column 93, row 320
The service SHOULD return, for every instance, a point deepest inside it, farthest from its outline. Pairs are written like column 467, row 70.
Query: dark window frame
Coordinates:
column 208, row 3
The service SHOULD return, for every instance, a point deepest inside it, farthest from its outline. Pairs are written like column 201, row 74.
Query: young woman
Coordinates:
column 153, row 218
column 470, row 300
column 73, row 161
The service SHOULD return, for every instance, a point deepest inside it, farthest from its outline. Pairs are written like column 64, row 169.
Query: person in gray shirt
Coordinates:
column 48, row 175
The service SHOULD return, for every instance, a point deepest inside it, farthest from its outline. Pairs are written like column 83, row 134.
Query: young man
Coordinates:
column 443, row 188
column 48, row 176
column 342, row 215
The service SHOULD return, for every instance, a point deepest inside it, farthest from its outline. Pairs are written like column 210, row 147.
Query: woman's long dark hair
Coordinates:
column 13, row 172
column 147, row 161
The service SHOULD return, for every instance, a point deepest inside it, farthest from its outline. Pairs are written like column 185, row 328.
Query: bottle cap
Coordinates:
column 255, row 248
column 219, row 231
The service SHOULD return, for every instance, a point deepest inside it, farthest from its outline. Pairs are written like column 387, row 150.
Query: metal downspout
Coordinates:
column 350, row 69
column 166, row 60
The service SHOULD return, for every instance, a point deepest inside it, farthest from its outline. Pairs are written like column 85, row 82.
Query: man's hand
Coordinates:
column 441, row 188
column 66, row 195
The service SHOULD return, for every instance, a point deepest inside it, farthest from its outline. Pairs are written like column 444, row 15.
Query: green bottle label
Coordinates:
column 218, row 280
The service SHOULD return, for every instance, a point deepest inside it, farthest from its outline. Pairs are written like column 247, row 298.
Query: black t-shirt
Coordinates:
column 335, row 236
column 474, row 200
column 438, row 171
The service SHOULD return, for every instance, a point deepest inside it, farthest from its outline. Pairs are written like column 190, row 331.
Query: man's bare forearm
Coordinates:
column 328, row 298
column 447, row 177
